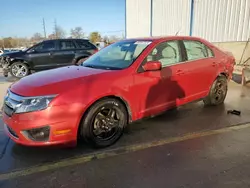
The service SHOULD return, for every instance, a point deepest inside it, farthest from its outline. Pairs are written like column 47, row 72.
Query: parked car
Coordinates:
column 124, row 82
column 46, row 55
column 3, row 51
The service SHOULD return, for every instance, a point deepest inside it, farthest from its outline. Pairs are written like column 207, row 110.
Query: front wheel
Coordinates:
column 19, row 70
column 104, row 123
column 218, row 92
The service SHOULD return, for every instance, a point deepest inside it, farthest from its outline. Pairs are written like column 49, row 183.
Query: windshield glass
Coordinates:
column 119, row 55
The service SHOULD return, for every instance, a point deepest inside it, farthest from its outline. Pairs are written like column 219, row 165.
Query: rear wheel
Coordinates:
column 80, row 61
column 217, row 92
column 104, row 123
column 19, row 70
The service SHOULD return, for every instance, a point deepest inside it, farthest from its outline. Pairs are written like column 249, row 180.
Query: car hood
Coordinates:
column 54, row 81
column 13, row 54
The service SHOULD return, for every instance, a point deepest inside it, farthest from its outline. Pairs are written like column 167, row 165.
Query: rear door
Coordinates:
column 65, row 53
column 200, row 69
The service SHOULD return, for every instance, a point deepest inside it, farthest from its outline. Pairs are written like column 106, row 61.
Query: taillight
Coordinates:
column 93, row 51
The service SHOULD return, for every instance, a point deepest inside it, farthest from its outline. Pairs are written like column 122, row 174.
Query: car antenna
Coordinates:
column 177, row 33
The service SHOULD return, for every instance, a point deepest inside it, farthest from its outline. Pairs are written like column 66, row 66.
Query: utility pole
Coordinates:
column 44, row 29
column 55, row 27
column 191, row 18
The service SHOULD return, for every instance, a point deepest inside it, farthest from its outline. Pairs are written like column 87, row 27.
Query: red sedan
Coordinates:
column 124, row 82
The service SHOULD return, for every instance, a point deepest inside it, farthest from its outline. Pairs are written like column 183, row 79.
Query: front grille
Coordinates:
column 11, row 101
column 12, row 132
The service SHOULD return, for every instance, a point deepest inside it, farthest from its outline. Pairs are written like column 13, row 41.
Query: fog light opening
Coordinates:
column 38, row 134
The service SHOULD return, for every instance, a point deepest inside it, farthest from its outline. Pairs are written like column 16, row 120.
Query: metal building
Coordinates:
column 214, row 20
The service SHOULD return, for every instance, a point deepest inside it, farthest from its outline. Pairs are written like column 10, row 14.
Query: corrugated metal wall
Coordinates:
column 214, row 20
column 170, row 16
column 138, row 18
column 222, row 20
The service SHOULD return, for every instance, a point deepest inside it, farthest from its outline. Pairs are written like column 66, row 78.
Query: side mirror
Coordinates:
column 32, row 51
column 152, row 66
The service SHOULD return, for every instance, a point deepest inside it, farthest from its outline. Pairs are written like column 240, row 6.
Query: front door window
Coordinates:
column 168, row 53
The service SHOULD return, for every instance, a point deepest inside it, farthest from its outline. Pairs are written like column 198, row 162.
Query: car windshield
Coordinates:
column 119, row 55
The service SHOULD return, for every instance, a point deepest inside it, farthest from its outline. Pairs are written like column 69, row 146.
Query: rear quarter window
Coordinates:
column 210, row 53
column 85, row 45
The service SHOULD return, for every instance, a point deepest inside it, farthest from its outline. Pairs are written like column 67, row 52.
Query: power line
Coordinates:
column 112, row 31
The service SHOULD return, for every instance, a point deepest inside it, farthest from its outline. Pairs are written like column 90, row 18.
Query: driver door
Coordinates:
column 43, row 56
column 160, row 90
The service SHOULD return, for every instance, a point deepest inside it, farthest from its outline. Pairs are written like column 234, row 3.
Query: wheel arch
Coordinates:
column 20, row 60
column 122, row 100
column 223, row 74
column 78, row 57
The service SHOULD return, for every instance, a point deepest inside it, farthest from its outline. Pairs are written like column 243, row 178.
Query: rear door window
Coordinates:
column 66, row 45
column 195, row 50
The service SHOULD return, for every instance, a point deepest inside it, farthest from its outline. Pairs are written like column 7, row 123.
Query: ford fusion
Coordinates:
column 124, row 82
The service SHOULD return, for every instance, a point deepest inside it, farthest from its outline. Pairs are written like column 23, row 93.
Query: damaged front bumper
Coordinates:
column 5, row 64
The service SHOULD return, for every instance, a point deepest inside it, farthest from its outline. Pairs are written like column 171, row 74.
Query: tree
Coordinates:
column 36, row 37
column 59, row 33
column 94, row 37
column 106, row 39
column 77, row 32
column 1, row 43
column 7, row 42
column 52, row 36
column 113, row 38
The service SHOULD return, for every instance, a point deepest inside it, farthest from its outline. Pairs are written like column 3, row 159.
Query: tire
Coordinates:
column 19, row 70
column 98, row 123
column 217, row 93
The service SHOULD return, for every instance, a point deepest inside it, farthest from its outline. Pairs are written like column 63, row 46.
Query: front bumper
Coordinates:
column 62, row 120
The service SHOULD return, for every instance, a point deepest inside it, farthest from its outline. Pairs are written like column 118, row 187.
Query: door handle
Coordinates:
column 179, row 72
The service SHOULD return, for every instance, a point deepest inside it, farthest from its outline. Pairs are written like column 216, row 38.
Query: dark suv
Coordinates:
column 48, row 54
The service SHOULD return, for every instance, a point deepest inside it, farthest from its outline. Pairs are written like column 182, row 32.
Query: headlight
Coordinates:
column 33, row 104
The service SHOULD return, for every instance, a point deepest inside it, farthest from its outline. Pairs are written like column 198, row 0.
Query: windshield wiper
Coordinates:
column 102, row 67
column 90, row 66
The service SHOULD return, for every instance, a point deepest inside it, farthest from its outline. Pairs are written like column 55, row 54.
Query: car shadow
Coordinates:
column 164, row 94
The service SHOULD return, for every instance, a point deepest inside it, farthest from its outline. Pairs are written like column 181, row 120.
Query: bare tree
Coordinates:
column 36, row 37
column 59, row 33
column 106, row 39
column 77, row 32
column 114, row 38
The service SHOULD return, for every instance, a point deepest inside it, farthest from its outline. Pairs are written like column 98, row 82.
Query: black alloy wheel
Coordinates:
column 104, row 123
column 217, row 92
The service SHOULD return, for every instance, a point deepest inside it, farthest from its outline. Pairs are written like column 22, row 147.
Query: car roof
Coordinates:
column 161, row 38
column 64, row 39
